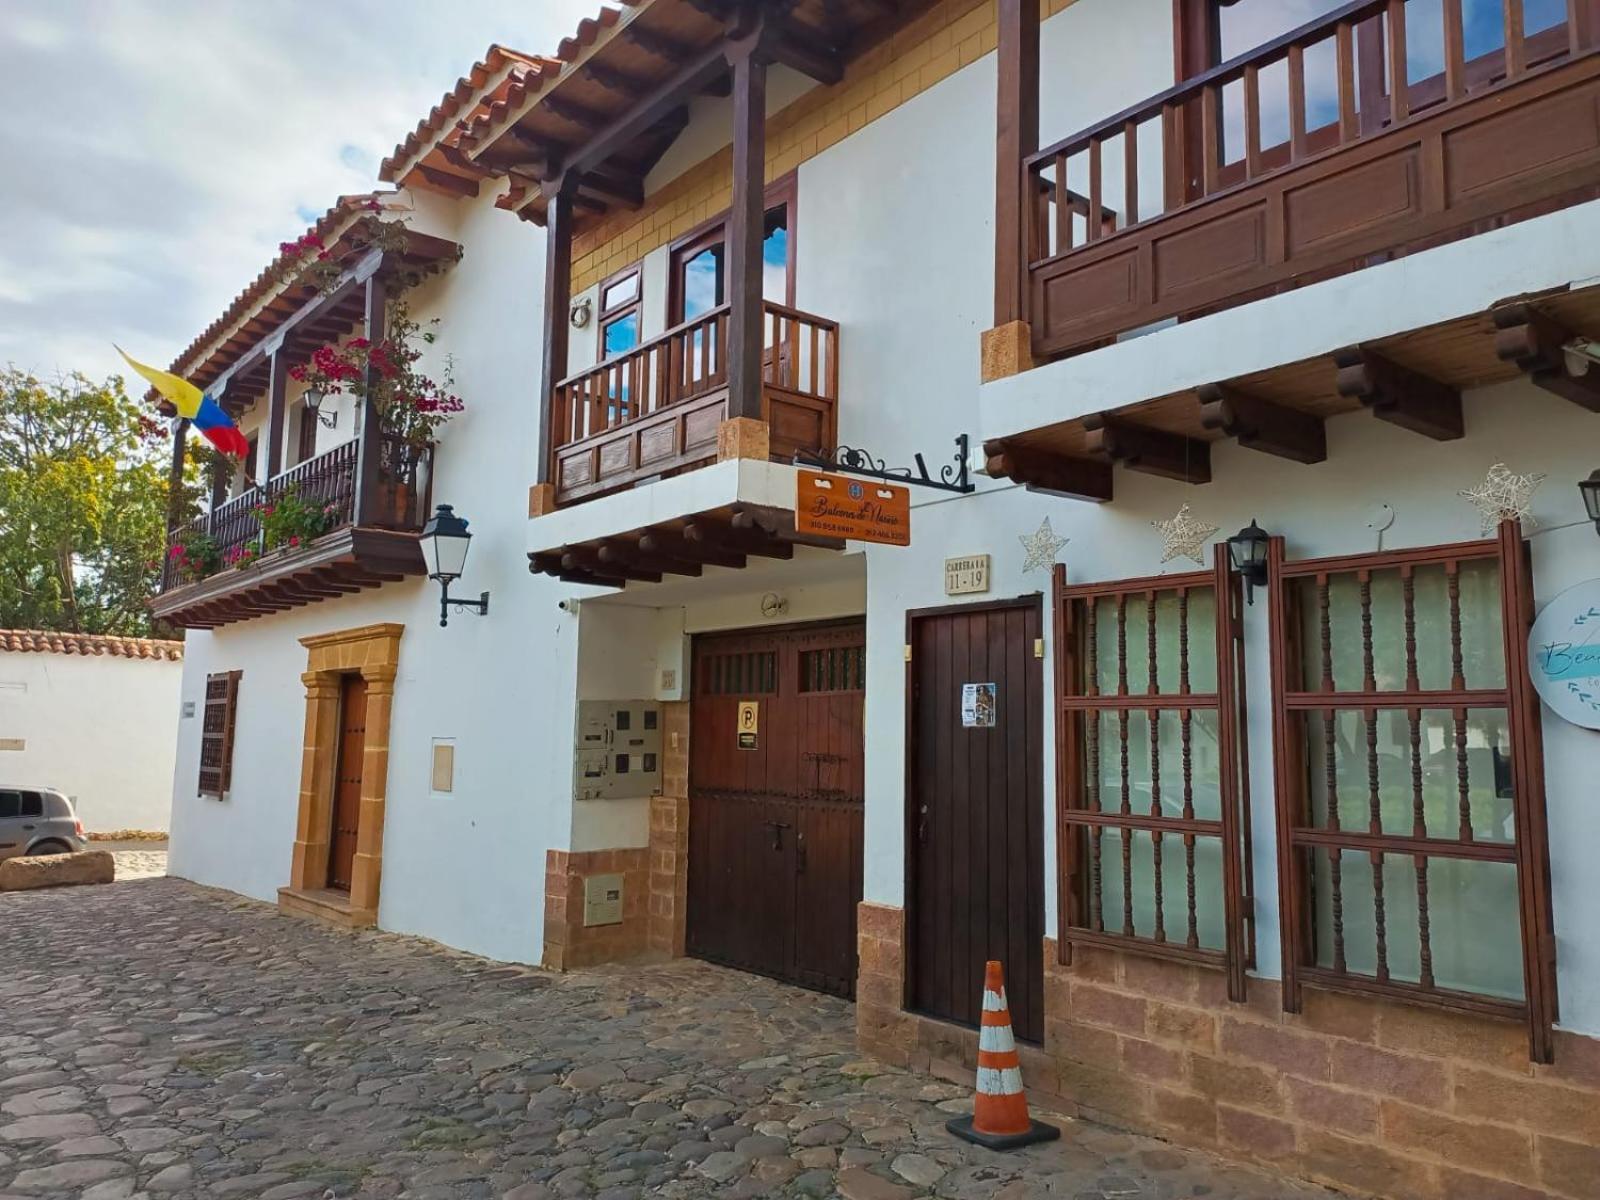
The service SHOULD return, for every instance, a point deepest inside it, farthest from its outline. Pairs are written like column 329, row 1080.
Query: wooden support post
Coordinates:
column 1400, row 395
column 746, row 221
column 180, row 451
column 277, row 392
column 369, row 446
column 557, row 303
column 1017, row 138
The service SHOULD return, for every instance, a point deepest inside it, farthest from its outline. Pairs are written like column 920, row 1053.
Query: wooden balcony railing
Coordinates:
column 1229, row 188
column 327, row 480
column 655, row 409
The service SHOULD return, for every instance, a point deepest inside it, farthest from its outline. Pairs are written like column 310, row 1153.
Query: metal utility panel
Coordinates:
column 602, row 900
column 618, row 755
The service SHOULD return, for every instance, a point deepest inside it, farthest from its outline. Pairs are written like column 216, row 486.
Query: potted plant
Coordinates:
column 289, row 520
column 196, row 556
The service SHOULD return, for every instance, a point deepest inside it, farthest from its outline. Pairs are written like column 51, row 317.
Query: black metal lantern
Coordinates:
column 312, row 398
column 1247, row 550
column 445, row 541
column 1590, row 488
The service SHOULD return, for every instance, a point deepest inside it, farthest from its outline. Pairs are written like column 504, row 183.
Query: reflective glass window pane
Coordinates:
column 620, row 335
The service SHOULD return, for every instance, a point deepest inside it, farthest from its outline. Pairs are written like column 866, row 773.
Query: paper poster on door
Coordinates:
column 749, row 718
column 977, row 705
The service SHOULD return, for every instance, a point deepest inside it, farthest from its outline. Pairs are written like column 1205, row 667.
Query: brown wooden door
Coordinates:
column 775, row 822
column 347, row 780
column 975, row 819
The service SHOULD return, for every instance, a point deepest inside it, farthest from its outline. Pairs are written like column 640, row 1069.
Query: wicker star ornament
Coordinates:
column 1503, row 496
column 1041, row 547
column 1184, row 535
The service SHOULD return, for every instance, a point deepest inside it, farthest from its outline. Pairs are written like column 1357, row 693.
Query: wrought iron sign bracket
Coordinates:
column 953, row 476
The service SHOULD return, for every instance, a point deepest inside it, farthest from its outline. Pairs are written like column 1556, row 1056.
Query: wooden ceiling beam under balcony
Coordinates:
column 675, row 544
column 1399, row 395
column 1258, row 424
column 1052, row 474
column 1535, row 342
column 1146, row 450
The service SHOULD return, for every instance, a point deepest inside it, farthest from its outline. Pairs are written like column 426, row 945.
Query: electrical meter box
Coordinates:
column 618, row 755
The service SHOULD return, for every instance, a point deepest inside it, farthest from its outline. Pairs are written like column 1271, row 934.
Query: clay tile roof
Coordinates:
column 43, row 641
column 500, row 61
column 327, row 227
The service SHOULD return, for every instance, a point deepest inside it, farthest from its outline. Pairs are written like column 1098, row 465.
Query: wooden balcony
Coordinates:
column 1405, row 164
column 372, row 539
column 654, row 411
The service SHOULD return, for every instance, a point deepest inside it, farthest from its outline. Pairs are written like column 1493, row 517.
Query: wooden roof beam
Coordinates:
column 652, row 109
column 1055, row 474
column 1400, row 395
column 619, row 556
column 1262, row 425
column 585, row 561
column 809, row 56
column 1149, row 451
column 456, row 185
column 1536, row 342
column 658, row 45
column 615, row 189
column 622, row 83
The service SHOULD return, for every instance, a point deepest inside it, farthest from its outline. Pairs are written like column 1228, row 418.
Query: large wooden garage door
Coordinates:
column 775, row 810
column 976, row 821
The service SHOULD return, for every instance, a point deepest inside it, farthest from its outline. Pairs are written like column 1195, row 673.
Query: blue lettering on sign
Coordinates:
column 1563, row 660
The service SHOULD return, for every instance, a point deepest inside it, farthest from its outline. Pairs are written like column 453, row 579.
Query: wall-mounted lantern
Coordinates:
column 444, row 543
column 1248, row 551
column 1590, row 488
column 312, row 399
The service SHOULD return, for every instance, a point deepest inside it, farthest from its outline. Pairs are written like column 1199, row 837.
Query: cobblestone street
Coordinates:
column 165, row 1040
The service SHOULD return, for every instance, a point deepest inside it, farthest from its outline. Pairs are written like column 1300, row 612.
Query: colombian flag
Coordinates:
column 204, row 413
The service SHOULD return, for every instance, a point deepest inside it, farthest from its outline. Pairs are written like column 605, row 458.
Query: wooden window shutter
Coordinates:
column 1413, row 855
column 216, row 734
column 1153, row 778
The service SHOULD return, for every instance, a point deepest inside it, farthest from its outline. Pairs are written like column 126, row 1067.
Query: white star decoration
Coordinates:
column 1502, row 496
column 1041, row 546
column 1184, row 535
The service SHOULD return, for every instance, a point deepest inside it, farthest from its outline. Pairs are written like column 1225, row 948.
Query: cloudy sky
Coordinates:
column 156, row 151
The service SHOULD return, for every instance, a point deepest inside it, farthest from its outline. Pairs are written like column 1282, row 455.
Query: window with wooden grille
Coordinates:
column 1153, row 810
column 1413, row 857
column 833, row 669
column 216, row 734
column 740, row 673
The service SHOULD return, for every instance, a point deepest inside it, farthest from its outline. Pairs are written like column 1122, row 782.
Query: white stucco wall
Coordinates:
column 103, row 729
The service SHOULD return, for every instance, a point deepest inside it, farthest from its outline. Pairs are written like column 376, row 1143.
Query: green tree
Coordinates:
column 83, row 504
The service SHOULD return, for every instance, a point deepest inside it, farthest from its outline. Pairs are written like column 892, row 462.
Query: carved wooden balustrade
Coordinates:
column 1229, row 188
column 654, row 410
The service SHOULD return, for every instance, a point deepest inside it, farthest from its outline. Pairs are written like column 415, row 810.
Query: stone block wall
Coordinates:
column 568, row 943
column 1368, row 1095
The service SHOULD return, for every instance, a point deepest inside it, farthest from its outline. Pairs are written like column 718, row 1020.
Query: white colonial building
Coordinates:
column 1281, row 851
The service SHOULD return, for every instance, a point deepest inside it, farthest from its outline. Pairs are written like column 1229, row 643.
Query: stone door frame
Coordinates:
column 373, row 652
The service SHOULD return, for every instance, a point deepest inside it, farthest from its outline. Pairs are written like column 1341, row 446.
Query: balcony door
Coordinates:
column 698, row 282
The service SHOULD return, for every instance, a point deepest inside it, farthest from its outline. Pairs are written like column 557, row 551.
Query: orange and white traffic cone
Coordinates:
column 999, row 1117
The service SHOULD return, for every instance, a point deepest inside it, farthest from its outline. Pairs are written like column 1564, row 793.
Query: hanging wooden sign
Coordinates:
column 842, row 507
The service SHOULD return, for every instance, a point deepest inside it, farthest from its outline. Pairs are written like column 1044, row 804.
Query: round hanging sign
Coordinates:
column 1564, row 654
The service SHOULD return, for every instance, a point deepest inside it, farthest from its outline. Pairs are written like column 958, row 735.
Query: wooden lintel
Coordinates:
column 1536, row 343
column 1400, row 395
column 1149, row 451
column 1262, row 425
column 1056, row 474
column 670, row 544
column 456, row 185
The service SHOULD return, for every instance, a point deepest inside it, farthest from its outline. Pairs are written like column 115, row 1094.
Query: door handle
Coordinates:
column 799, row 854
column 922, row 824
column 777, row 828
column 28, row 827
